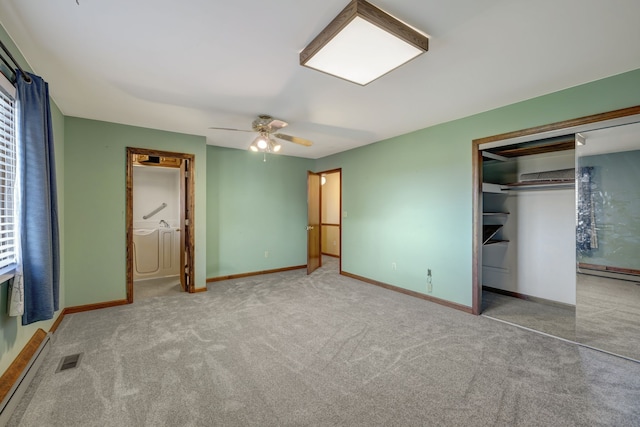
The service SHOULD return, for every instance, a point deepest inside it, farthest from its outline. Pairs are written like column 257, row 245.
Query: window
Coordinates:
column 7, row 173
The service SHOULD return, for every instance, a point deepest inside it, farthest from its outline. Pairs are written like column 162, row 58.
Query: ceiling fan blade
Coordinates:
column 277, row 124
column 294, row 139
column 237, row 130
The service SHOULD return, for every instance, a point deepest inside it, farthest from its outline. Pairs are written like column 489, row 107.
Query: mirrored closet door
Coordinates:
column 559, row 233
column 608, row 239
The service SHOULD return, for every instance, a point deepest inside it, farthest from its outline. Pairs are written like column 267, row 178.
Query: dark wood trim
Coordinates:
column 329, row 224
column 129, row 222
column 131, row 151
column 97, row 306
column 476, row 185
column 550, row 147
column 330, row 171
column 565, row 124
column 254, row 273
column 439, row 301
column 609, row 269
column 340, row 216
column 55, row 325
column 159, row 153
column 17, row 367
column 191, row 216
column 197, row 290
column 526, row 297
column 370, row 13
column 476, row 173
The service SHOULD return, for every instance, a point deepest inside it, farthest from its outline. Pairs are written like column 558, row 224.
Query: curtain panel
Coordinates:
column 38, row 217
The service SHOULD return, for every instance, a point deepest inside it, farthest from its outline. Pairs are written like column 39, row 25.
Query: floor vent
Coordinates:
column 69, row 362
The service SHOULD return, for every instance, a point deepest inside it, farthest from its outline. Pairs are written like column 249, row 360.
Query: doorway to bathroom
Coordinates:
column 160, row 189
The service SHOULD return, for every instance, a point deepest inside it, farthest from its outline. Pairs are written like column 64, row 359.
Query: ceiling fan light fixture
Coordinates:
column 362, row 44
column 274, row 146
column 265, row 143
column 261, row 142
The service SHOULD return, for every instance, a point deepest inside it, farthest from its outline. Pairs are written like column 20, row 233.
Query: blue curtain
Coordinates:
column 39, row 237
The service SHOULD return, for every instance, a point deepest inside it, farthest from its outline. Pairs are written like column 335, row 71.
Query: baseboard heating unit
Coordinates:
column 21, row 383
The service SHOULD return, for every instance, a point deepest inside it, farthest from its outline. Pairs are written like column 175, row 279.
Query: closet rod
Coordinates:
column 4, row 48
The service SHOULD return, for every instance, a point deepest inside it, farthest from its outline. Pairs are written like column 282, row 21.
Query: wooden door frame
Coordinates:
column 311, row 267
column 581, row 124
column 129, row 213
column 339, row 172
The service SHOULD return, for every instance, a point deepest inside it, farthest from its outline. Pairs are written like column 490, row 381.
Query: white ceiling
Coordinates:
column 185, row 66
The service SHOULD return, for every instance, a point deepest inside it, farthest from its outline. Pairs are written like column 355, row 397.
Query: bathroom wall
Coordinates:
column 153, row 186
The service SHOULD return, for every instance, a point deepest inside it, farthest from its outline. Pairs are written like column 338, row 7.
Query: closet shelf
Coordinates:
column 488, row 187
column 488, row 231
column 532, row 185
column 494, row 213
column 495, row 242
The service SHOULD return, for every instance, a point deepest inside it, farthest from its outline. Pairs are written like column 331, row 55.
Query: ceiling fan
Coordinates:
column 267, row 128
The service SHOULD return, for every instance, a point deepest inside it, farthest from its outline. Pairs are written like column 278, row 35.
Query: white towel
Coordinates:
column 16, row 295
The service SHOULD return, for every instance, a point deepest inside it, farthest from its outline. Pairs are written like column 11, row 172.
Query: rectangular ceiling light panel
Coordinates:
column 362, row 44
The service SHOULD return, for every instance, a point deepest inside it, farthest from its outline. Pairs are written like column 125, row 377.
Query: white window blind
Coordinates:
column 7, row 175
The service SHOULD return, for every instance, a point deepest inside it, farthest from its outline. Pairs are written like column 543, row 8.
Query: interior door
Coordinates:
column 314, row 259
column 185, row 238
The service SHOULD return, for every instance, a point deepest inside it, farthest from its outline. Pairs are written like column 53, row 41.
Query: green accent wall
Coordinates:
column 14, row 336
column 616, row 197
column 95, row 204
column 409, row 199
column 255, row 206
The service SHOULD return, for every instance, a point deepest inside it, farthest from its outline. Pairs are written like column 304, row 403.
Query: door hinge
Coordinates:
column 186, row 222
column 186, row 174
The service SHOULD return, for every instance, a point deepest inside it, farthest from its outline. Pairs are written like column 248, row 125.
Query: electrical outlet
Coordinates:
column 393, row 265
column 429, row 281
column 266, row 254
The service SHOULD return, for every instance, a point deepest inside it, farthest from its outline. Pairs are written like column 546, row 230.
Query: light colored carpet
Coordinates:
column 555, row 320
column 322, row 350
column 606, row 316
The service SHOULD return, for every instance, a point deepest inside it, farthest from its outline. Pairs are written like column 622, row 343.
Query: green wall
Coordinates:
column 95, row 160
column 14, row 336
column 252, row 207
column 408, row 199
column 616, row 196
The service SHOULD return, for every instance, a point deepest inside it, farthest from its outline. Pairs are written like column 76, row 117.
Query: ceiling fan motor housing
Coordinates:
column 266, row 123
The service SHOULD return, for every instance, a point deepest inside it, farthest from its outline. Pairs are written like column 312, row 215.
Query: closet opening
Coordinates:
column 159, row 223
column 528, row 234
column 543, row 200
